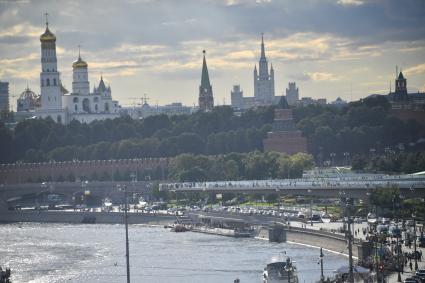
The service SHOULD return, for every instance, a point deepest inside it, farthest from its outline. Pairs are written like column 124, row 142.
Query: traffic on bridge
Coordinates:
column 353, row 185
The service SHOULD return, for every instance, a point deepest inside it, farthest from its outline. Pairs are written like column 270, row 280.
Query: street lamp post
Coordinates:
column 311, row 209
column 414, row 240
column 398, row 250
column 347, row 156
column 322, row 277
column 350, row 242
column 332, row 155
column 127, row 249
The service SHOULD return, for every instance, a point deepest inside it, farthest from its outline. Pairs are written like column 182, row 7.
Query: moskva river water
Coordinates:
column 50, row 253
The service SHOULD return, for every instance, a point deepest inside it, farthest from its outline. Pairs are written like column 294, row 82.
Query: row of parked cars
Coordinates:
column 419, row 277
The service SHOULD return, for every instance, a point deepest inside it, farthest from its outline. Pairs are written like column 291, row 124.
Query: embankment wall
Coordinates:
column 83, row 217
column 329, row 241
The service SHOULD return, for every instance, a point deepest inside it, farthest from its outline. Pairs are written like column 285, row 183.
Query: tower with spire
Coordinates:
column 263, row 80
column 206, row 99
column 400, row 93
column 51, row 95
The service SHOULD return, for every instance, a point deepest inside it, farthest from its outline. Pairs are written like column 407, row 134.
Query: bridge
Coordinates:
column 29, row 192
column 349, row 185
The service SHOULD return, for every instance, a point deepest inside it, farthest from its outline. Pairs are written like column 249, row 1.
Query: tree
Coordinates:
column 256, row 166
column 6, row 144
column 231, row 170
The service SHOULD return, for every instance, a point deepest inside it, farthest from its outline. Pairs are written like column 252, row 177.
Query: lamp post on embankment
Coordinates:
column 350, row 241
column 414, row 240
column 127, row 248
column 322, row 277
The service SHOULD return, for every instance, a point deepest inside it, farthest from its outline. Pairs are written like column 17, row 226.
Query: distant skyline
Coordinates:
column 328, row 47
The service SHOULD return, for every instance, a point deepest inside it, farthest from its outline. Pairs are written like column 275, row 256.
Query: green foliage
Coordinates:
column 215, row 132
column 356, row 129
column 238, row 166
column 405, row 162
column 385, row 197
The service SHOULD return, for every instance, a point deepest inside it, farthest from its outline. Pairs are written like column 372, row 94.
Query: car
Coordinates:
column 382, row 229
column 411, row 280
column 419, row 278
column 421, row 241
column 395, row 231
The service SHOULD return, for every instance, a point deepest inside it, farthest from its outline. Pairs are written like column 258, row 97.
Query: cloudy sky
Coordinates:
column 330, row 48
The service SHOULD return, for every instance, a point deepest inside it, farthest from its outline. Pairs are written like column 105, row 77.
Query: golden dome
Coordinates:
column 47, row 36
column 79, row 63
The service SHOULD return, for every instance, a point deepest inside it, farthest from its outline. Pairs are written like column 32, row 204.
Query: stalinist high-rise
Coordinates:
column 263, row 80
column 264, row 93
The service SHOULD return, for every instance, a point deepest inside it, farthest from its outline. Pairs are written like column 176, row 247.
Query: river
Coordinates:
column 48, row 253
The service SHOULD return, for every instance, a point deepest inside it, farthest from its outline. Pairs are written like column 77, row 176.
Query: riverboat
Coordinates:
column 223, row 226
column 223, row 232
column 280, row 269
column 179, row 228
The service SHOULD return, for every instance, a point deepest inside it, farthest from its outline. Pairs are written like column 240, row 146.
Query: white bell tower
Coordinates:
column 51, row 95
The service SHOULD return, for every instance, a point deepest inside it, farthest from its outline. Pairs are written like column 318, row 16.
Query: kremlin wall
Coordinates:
column 105, row 170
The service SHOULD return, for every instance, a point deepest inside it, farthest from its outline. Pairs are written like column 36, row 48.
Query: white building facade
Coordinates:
column 79, row 105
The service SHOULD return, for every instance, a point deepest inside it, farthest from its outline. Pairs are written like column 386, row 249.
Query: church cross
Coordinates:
column 47, row 20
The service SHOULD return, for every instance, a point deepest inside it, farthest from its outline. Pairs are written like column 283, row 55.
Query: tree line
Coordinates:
column 356, row 129
column 362, row 126
column 407, row 162
column 254, row 165
column 218, row 131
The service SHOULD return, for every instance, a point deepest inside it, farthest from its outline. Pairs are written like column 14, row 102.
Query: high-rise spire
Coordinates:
column 205, row 79
column 263, row 80
column 263, row 53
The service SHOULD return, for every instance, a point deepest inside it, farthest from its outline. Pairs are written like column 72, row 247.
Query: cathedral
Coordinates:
column 264, row 93
column 63, row 107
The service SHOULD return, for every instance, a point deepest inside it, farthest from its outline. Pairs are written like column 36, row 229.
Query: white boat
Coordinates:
column 280, row 269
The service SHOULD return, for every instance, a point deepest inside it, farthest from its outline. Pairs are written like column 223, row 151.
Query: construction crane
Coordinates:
column 143, row 100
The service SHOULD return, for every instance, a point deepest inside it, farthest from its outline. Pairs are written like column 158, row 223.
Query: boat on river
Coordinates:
column 223, row 226
column 280, row 269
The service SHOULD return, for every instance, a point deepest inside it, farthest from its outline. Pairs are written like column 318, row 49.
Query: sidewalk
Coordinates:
column 334, row 226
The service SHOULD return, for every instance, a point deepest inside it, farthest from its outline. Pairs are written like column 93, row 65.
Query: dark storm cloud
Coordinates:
column 107, row 23
column 310, row 40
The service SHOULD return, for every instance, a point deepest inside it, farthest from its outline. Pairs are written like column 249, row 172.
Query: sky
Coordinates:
column 330, row 48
